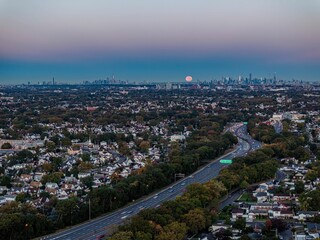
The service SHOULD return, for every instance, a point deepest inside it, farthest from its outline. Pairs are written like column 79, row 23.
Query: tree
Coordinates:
column 144, row 146
column 245, row 237
column 85, row 157
column 22, row 197
column 174, row 230
column 87, row 181
column 124, row 149
column 67, row 211
column 310, row 200
column 122, row 235
column 66, row 142
column 47, row 167
column 268, row 225
column 311, row 175
column 240, row 224
column 56, row 162
column 51, row 146
column 244, row 184
column 16, row 216
column 195, row 220
column 44, row 194
column 279, row 224
column 299, row 187
column 52, row 177
column 6, row 145
column 85, row 166
column 143, row 236
column 5, row 181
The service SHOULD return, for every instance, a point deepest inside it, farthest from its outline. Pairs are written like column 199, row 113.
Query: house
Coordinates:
column 300, row 235
column 298, row 176
column 262, row 188
column 255, row 236
column 10, row 198
column 259, row 213
column 70, row 179
column 38, row 176
column 51, row 185
column 257, row 226
column 263, row 206
column 2, row 200
column 67, row 186
column 313, row 229
column 281, row 197
column 83, row 175
column 52, row 191
column 305, row 215
column 175, row 138
column 216, row 228
column 15, row 190
column 262, row 197
column 285, row 214
column 275, row 212
column 25, row 177
column 3, row 189
column 62, row 195
column 237, row 213
column 34, row 184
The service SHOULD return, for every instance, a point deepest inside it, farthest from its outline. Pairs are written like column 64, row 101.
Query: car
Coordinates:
column 100, row 236
column 156, row 196
column 124, row 217
column 183, row 183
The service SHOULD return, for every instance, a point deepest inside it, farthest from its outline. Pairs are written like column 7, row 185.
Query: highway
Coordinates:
column 102, row 225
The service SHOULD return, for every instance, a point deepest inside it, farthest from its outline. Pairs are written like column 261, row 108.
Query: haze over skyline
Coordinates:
column 165, row 40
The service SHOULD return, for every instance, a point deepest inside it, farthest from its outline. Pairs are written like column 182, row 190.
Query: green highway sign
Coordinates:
column 228, row 161
column 245, row 123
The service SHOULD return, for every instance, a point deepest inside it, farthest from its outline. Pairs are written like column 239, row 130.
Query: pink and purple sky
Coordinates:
column 160, row 40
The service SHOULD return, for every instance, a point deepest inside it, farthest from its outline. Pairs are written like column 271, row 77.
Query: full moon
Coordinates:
column 188, row 78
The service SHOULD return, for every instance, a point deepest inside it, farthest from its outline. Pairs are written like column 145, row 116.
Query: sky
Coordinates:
column 158, row 40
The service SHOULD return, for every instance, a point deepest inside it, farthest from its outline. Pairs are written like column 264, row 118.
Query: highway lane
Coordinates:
column 102, row 225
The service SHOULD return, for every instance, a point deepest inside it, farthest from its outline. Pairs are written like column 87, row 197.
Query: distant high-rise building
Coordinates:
column 168, row 86
column 53, row 81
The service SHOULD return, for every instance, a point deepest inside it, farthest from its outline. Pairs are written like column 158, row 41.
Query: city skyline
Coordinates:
column 76, row 41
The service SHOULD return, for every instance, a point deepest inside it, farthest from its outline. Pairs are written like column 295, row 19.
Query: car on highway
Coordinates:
column 100, row 237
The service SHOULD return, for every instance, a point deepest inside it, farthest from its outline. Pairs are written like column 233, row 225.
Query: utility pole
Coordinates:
column 89, row 209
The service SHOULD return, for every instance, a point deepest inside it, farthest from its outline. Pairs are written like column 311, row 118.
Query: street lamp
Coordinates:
column 26, row 226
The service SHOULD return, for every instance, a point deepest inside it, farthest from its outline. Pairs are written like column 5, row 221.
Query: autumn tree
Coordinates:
column 174, row 230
